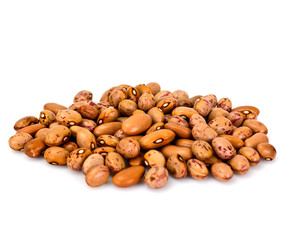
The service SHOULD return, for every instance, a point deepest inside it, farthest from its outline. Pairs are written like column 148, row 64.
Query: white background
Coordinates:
column 244, row 50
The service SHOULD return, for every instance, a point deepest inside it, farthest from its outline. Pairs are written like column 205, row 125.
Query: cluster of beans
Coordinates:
column 141, row 132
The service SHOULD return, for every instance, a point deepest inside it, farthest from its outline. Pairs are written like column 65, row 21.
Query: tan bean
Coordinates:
column 146, row 101
column 137, row 161
column 70, row 146
column 18, row 141
column 177, row 166
column 179, row 120
column 57, row 135
column 107, row 140
column 242, row 132
column 235, row 141
column 56, row 155
column 41, row 133
column 142, row 88
column 92, row 160
column 154, row 86
column 248, row 112
column 222, row 171
column 103, row 151
column 255, row 126
column 76, row 158
column 83, row 96
column 202, row 106
column 115, row 162
column 184, row 142
column 197, row 169
column 47, row 117
column 97, row 176
column 133, row 94
column 129, row 176
column 164, row 94
column 127, row 107
column 236, row 118
column 204, row 132
column 117, row 96
column 225, row 103
column 154, row 158
column 217, row 112
column 202, row 150
column 239, row 164
column 88, row 111
column 251, row 154
column 221, row 125
column 68, row 117
column 128, row 147
column 109, row 114
column 255, row 139
column 156, row 177
column 86, row 139
column 196, row 119
column 88, row 124
column 223, row 148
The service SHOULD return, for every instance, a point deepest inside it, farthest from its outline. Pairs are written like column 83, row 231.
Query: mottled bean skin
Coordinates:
column 128, row 147
column 239, row 164
column 251, row 154
column 202, row 150
column 223, row 148
column 156, row 177
column 154, row 158
column 197, row 169
column 91, row 161
column 18, row 141
column 56, row 155
column 68, row 117
column 146, row 101
column 177, row 166
column 25, row 122
column 115, row 162
column 76, row 158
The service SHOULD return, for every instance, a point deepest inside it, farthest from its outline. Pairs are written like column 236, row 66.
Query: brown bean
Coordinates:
column 184, row 142
column 54, row 107
column 255, row 139
column 156, row 115
column 154, row 86
column 242, row 132
column 83, row 96
column 196, row 119
column 127, row 107
column 157, row 139
column 184, row 152
column 248, row 112
column 32, row 129
column 129, row 176
column 107, row 128
column 236, row 118
column 225, row 103
column 25, row 122
column 167, row 105
column 235, row 141
column 106, row 115
column 185, row 112
column 86, row 139
column 217, row 112
column 180, row 131
column 34, row 148
column 163, row 95
column 155, row 127
column 136, row 124
column 267, row 151
column 88, row 111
